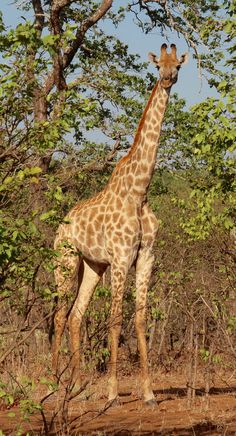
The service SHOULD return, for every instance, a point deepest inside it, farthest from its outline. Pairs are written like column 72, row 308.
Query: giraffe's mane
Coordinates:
column 137, row 135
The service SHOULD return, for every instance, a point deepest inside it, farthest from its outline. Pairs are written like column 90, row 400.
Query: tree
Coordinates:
column 50, row 99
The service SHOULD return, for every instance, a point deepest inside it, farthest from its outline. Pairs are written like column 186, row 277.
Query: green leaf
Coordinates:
column 228, row 223
column 8, row 180
column 49, row 40
column 47, row 215
column 35, row 170
column 11, row 414
column 14, row 235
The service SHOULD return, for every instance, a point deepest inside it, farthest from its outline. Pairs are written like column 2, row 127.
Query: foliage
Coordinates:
column 213, row 194
column 213, row 143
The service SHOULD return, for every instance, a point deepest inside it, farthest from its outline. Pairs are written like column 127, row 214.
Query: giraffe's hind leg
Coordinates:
column 144, row 265
column 143, row 273
column 119, row 270
column 89, row 276
column 66, row 275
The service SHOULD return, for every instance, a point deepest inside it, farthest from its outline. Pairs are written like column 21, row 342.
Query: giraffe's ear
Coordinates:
column 184, row 58
column 153, row 58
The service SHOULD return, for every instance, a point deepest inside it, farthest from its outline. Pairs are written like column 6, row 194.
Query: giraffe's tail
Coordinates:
column 51, row 322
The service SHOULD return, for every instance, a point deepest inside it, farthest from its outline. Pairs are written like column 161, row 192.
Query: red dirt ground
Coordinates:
column 169, row 417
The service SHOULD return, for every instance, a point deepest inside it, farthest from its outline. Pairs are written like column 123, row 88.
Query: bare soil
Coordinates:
column 215, row 415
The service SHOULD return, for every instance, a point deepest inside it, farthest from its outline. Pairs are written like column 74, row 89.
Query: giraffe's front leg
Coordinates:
column 118, row 276
column 143, row 273
column 88, row 278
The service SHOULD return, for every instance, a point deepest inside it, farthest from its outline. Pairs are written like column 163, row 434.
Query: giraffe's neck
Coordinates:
column 133, row 173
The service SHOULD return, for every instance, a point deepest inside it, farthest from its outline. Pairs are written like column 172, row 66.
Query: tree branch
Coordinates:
column 39, row 15
column 61, row 59
column 85, row 26
column 58, row 77
column 71, row 50
column 92, row 166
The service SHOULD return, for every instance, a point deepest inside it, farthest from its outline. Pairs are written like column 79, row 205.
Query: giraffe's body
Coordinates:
column 117, row 228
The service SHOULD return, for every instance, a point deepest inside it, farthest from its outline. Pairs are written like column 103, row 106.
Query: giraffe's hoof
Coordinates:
column 151, row 403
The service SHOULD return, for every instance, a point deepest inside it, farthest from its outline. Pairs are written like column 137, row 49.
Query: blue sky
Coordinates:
column 189, row 85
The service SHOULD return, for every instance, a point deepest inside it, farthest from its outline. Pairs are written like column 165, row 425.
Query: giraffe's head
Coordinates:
column 168, row 65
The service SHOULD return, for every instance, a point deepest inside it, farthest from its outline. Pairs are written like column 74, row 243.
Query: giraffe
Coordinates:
column 116, row 227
